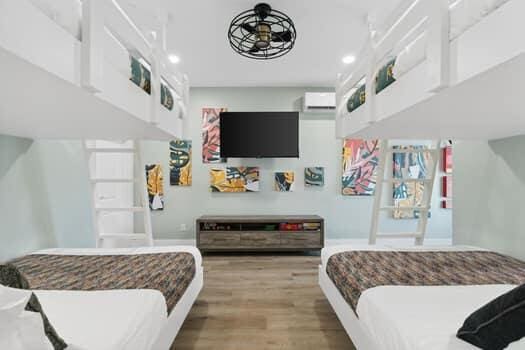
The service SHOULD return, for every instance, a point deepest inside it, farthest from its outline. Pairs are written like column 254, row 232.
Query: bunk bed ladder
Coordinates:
column 137, row 180
column 386, row 154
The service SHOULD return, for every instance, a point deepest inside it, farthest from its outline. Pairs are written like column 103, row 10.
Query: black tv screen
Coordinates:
column 259, row 134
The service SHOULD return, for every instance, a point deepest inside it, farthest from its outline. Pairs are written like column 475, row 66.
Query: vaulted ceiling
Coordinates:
column 197, row 33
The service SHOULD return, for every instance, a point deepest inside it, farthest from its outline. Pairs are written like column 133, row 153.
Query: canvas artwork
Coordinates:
column 360, row 161
column 234, row 179
column 314, row 176
column 154, row 180
column 285, row 181
column 211, row 138
column 447, row 159
column 409, row 194
column 180, row 163
column 446, row 186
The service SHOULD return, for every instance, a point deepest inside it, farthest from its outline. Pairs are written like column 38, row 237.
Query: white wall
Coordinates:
column 489, row 188
column 43, row 196
column 346, row 217
column 24, row 214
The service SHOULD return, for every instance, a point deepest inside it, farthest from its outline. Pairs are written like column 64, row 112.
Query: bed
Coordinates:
column 95, row 48
column 422, row 60
column 395, row 304
column 463, row 14
column 126, row 298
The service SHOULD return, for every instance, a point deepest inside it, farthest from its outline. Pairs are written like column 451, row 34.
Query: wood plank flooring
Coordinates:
column 261, row 302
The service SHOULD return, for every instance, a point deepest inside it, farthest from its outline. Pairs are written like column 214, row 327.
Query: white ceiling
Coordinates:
column 327, row 30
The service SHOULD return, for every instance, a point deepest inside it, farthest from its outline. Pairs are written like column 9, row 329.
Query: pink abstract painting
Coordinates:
column 211, row 137
column 360, row 161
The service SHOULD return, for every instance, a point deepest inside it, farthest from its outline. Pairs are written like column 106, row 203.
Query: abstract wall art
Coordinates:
column 211, row 138
column 180, row 163
column 447, row 158
column 411, row 165
column 446, row 186
column 155, row 185
column 234, row 179
column 314, row 176
column 284, row 181
column 360, row 161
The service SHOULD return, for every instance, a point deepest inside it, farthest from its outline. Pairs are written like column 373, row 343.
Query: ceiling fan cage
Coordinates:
column 249, row 36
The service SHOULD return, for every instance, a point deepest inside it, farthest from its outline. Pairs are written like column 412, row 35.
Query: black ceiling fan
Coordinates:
column 262, row 33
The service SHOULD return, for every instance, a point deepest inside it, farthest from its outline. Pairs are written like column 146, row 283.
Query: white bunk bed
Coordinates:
column 66, row 73
column 458, row 73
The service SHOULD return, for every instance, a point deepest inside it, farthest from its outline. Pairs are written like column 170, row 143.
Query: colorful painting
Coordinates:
column 447, row 159
column 211, row 137
column 409, row 194
column 314, row 176
column 155, row 180
column 446, row 186
column 285, row 181
column 234, row 179
column 360, row 162
column 180, row 163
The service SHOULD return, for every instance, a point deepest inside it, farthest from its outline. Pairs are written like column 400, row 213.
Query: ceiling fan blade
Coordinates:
column 254, row 49
column 248, row 27
column 284, row 36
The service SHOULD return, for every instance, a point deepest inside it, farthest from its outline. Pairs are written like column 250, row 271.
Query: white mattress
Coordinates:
column 463, row 15
column 419, row 317
column 106, row 320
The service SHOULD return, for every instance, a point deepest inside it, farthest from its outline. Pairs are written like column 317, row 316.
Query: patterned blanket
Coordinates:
column 170, row 273
column 354, row 272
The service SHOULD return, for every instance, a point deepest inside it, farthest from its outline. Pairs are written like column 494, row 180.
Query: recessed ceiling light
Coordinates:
column 349, row 59
column 174, row 59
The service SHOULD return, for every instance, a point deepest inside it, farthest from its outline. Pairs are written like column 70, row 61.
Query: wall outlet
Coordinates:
column 183, row 227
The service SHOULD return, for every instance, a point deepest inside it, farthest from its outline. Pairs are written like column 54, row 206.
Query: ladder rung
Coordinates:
column 104, row 209
column 394, row 180
column 123, row 236
column 399, row 235
column 405, row 208
column 110, row 150
column 112, row 180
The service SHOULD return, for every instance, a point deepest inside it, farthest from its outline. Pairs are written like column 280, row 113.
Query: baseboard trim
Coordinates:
column 389, row 242
column 171, row 242
column 328, row 242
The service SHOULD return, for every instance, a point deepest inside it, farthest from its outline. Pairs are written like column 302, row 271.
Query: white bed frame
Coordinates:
column 452, row 93
column 180, row 312
column 358, row 334
column 60, row 87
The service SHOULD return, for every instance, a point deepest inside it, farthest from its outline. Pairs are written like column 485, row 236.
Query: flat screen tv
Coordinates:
column 259, row 134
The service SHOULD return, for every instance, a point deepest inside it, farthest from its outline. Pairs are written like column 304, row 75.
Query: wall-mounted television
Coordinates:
column 259, row 134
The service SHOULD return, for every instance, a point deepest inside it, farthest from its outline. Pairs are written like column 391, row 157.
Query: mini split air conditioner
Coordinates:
column 319, row 102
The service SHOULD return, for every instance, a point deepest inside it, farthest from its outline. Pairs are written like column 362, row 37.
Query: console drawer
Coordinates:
column 301, row 239
column 219, row 240
column 260, row 239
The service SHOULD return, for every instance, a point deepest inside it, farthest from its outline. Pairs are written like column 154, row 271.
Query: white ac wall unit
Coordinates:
column 319, row 102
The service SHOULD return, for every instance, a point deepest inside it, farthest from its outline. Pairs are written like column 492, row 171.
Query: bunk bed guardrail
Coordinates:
column 410, row 20
column 106, row 18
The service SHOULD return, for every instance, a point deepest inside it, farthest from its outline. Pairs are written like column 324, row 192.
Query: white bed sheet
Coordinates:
column 411, row 317
column 106, row 320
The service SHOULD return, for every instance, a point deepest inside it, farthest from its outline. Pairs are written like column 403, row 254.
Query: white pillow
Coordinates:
column 20, row 329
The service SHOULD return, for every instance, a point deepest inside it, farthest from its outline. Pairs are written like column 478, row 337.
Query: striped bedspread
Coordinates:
column 169, row 273
column 353, row 272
